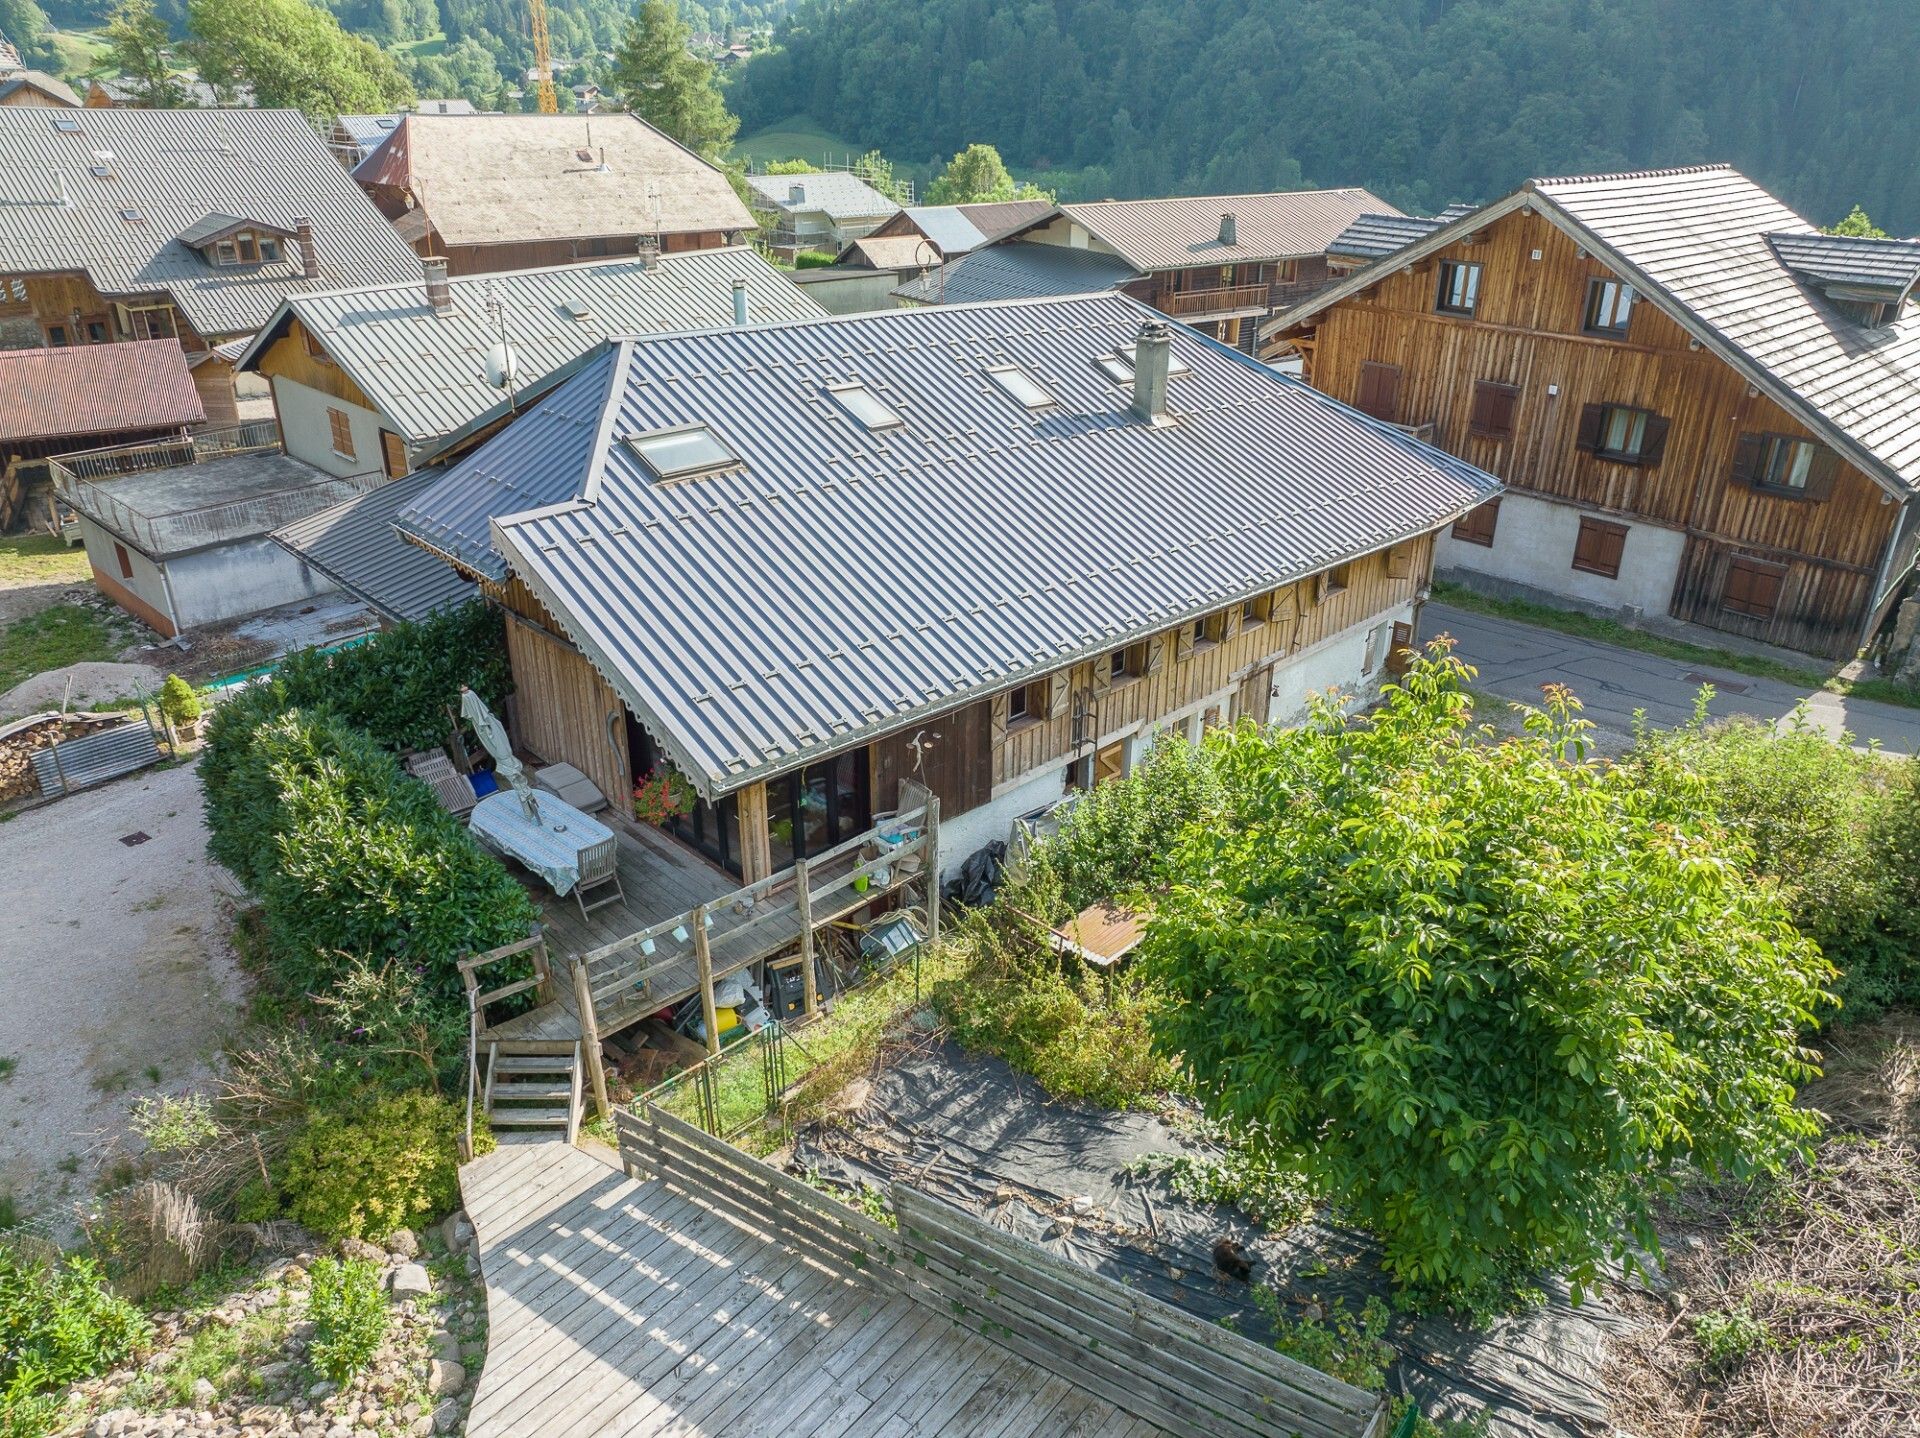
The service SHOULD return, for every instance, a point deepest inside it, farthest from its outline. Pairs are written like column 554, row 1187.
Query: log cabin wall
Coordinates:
column 955, row 760
column 1527, row 332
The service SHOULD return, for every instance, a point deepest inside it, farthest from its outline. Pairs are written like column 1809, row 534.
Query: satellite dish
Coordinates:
column 503, row 365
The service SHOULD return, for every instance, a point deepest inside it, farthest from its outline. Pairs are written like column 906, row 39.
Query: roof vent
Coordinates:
column 1151, row 352
column 439, row 292
column 578, row 309
column 796, row 194
column 1229, row 229
column 740, row 304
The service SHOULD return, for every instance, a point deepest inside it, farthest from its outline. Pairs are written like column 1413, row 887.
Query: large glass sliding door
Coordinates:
column 817, row 808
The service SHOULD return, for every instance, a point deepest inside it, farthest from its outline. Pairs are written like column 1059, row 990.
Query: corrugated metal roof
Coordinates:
column 1171, row 234
column 840, row 196
column 426, row 372
column 494, row 179
column 170, row 168
column 842, row 584
column 949, row 227
column 1372, row 236
column 1874, row 264
column 354, row 545
column 95, row 389
column 1017, row 270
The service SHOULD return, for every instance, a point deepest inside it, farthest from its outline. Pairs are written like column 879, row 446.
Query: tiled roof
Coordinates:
column 354, row 545
column 94, row 390
column 492, row 179
column 839, row 196
column 841, row 584
column 46, row 84
column 1169, row 234
column 169, row 169
column 1848, row 261
column 425, row 372
column 1017, row 270
column 1372, row 236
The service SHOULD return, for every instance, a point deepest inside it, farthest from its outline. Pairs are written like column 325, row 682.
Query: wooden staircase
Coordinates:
column 527, row 1084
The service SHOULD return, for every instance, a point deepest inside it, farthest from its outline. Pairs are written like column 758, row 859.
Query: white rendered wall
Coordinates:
column 240, row 579
column 309, row 434
column 1532, row 552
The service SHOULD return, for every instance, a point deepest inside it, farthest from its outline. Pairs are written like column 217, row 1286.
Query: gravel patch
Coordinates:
column 95, row 681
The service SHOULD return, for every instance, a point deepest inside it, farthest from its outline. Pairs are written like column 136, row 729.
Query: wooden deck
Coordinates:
column 618, row 1306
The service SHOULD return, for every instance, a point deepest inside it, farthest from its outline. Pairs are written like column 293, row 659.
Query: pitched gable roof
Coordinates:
column 1017, row 270
column 41, row 82
column 172, row 168
column 95, row 389
column 1169, row 234
column 839, row 584
column 1702, row 243
column 838, row 195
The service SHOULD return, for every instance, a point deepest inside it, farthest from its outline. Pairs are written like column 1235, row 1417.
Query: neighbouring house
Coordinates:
column 516, row 192
column 1017, row 270
column 35, row 89
column 398, row 376
column 110, row 94
column 922, row 236
column 991, row 552
column 824, row 211
column 55, row 401
column 1373, row 237
column 189, row 225
column 1223, row 262
column 1703, row 408
column 354, row 137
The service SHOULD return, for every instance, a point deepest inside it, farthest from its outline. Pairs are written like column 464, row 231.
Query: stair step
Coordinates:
column 561, row 1091
column 533, row 1064
column 528, row 1118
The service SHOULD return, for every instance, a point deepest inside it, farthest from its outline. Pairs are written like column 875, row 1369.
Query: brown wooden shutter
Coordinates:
column 1598, row 547
column 1379, row 391
column 1229, row 623
column 1494, row 406
column 1822, row 472
column 998, row 725
column 1746, row 459
column 1059, row 693
column 1102, row 673
column 1400, row 650
column 1653, row 444
column 393, row 455
column 1593, row 418
column 1400, row 561
column 1156, row 653
column 1183, row 641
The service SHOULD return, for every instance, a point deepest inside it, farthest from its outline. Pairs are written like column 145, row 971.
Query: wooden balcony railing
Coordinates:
column 1186, row 304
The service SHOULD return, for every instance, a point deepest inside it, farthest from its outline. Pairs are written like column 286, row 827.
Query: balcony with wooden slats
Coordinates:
column 1219, row 302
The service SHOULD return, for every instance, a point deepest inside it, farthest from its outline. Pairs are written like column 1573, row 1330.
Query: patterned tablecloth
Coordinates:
column 550, row 845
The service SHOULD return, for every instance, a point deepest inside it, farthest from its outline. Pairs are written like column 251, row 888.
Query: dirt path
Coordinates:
column 117, row 972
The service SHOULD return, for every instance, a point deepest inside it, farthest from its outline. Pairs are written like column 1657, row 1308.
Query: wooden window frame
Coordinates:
column 1256, row 611
column 1597, row 419
column 1329, row 582
column 1745, row 607
column 1445, row 286
column 1488, row 397
column 1752, row 454
column 340, row 432
column 1206, row 632
column 1596, row 291
column 1471, row 528
column 1132, row 662
column 1606, row 532
column 1035, row 700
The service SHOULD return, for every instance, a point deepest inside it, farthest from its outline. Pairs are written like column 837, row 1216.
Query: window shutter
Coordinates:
column 1746, row 459
column 1284, row 607
column 1059, row 694
column 1592, row 418
column 1653, row 445
column 999, row 722
column 1822, row 472
column 1494, row 406
column 1613, row 544
column 1229, row 624
column 1400, row 561
column 1379, row 391
column 1156, row 653
column 1103, row 674
column 1183, row 641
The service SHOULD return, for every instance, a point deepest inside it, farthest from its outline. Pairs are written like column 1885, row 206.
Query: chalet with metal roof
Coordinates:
column 984, row 551
column 489, row 193
column 1704, row 409
column 824, row 211
column 921, row 236
column 191, row 225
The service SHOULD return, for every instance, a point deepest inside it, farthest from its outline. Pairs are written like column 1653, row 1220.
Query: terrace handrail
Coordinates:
column 1212, row 301
column 167, row 453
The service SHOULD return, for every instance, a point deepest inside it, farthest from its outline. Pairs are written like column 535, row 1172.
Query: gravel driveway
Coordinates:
column 115, row 965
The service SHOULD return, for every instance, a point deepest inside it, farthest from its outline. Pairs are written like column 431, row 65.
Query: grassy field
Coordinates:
column 434, row 44
column 32, row 559
column 795, row 138
column 54, row 638
column 82, row 52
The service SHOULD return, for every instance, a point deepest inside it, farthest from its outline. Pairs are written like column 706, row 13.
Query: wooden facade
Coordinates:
column 1393, row 351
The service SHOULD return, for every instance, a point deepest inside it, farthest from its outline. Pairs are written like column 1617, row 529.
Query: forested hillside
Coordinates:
column 1426, row 101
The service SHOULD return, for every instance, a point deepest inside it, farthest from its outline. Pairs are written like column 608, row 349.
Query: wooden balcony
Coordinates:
column 1214, row 303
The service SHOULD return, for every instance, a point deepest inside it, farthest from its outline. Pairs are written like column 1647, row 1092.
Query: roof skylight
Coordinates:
column 678, row 453
column 865, row 407
column 66, row 124
column 1021, row 386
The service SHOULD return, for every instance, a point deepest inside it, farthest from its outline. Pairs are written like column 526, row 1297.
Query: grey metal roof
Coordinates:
column 1017, row 270
column 1181, row 232
column 1852, row 262
column 425, row 372
column 354, row 545
column 171, row 168
column 840, row 196
column 841, row 584
column 1371, row 236
column 948, row 227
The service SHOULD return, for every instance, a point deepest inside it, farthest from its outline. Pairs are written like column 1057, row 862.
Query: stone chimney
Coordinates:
column 309, row 256
column 1152, row 354
column 1229, row 229
column 439, row 292
column 740, row 304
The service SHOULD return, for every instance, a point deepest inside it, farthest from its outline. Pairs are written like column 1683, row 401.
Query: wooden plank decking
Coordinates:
column 623, row 1307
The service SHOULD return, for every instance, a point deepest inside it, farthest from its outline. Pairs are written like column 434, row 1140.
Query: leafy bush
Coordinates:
column 368, row 1173
column 1489, row 996
column 349, row 1315
column 1116, row 839
column 178, row 701
column 59, row 1323
column 1728, row 1337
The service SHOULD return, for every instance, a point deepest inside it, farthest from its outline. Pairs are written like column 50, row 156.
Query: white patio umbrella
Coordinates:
column 493, row 738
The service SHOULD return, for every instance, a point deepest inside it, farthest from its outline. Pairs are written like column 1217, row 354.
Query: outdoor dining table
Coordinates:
column 553, row 842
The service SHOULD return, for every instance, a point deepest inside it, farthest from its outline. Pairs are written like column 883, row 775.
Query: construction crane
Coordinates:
column 543, row 56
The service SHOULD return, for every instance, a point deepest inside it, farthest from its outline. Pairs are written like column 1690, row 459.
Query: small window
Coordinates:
column 1027, row 704
column 1017, row 705
column 1477, row 525
column 66, row 124
column 1459, row 292
column 1609, row 308
column 1598, row 547
column 249, row 251
column 340, row 429
column 1256, row 611
column 1021, row 387
column 676, row 453
column 97, row 332
column 1752, row 588
column 1331, row 582
column 1128, row 663
column 1623, row 433
column 224, row 253
column 100, row 172
column 864, row 407
column 57, row 336
column 269, row 250
column 1494, row 408
column 124, row 560
column 578, row 309
column 1175, row 365
column 1118, row 366
column 132, row 217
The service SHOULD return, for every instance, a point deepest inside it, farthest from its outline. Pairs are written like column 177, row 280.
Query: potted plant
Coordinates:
column 660, row 796
column 181, row 707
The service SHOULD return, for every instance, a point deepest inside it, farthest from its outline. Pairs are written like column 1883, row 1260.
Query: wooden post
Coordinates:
column 703, row 958
column 804, row 898
column 590, row 1037
column 930, row 860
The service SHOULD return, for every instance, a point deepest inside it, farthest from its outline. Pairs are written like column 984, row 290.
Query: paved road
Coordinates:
column 1516, row 659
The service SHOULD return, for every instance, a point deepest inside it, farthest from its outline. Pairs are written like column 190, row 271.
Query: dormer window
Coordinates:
column 864, row 407
column 682, row 453
column 1021, row 387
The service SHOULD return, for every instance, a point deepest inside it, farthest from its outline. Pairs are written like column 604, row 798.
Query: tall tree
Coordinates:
column 1857, row 226
column 294, row 55
column 137, row 40
column 657, row 79
column 977, row 175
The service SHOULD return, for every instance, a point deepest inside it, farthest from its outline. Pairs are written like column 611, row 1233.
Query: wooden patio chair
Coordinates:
column 453, row 789
column 599, row 868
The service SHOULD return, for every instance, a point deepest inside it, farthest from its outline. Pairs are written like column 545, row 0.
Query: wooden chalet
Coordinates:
column 1702, row 407
column 946, row 564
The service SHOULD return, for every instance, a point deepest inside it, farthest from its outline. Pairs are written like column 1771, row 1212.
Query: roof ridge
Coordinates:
column 1717, row 166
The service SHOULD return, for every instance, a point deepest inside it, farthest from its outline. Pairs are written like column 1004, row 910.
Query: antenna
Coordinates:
column 503, row 365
